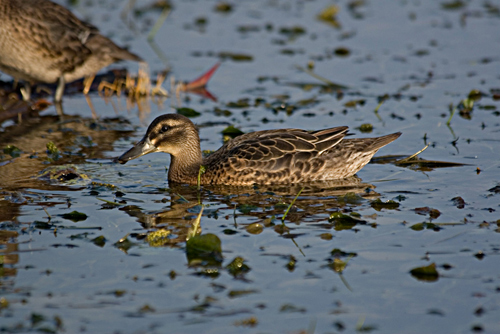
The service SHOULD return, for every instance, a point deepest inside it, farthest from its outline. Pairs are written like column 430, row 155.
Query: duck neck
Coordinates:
column 185, row 166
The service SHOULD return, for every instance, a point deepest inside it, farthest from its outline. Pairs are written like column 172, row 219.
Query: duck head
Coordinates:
column 170, row 133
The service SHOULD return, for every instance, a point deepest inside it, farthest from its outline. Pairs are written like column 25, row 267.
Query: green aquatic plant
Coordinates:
column 201, row 171
column 290, row 206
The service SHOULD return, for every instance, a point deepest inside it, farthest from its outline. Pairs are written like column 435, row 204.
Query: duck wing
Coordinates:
column 273, row 156
column 58, row 33
column 275, row 143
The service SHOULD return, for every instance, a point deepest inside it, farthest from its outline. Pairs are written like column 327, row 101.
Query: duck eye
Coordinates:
column 164, row 129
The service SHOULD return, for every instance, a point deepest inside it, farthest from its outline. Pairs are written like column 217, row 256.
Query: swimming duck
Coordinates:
column 262, row 157
column 41, row 41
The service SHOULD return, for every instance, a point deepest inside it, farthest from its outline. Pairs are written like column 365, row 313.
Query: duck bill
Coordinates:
column 141, row 148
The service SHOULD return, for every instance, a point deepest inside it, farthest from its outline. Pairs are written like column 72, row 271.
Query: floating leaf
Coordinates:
column 222, row 112
column 241, row 103
column 292, row 32
column 342, row 52
column 479, row 255
column 336, row 252
column 74, row 216
column 43, row 225
column 495, row 189
column 201, row 21
column 366, row 128
column 36, row 319
column 118, row 293
column 146, row 309
column 453, row 5
column 344, row 222
column 247, row 208
column 292, row 262
column 64, row 245
column 235, row 56
column 204, row 249
column 426, row 274
column 281, row 229
column 4, row 303
column 12, row 151
column 329, row 15
column 337, row 265
column 291, row 308
column 326, row 236
column 433, row 213
column 248, row 28
column 379, row 205
column 291, row 52
column 231, row 132
column 421, row 52
column 475, row 95
column 365, row 328
column 255, row 228
column 124, row 244
column 240, row 293
column 307, row 102
column 424, row 226
column 237, row 267
column 281, row 206
column 354, row 103
column 249, row 322
column 100, row 241
column 223, row 7
column 188, row 112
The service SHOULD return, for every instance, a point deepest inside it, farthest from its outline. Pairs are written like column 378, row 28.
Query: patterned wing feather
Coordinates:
column 275, row 155
column 59, row 33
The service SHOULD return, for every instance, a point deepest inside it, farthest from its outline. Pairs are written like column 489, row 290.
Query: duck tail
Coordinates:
column 380, row 142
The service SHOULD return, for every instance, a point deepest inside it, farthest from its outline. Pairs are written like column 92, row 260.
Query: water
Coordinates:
column 57, row 276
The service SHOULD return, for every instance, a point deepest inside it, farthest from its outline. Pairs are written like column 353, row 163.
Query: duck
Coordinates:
column 267, row 157
column 41, row 41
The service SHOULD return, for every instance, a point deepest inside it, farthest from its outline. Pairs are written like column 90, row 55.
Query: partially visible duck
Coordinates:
column 41, row 41
column 262, row 157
